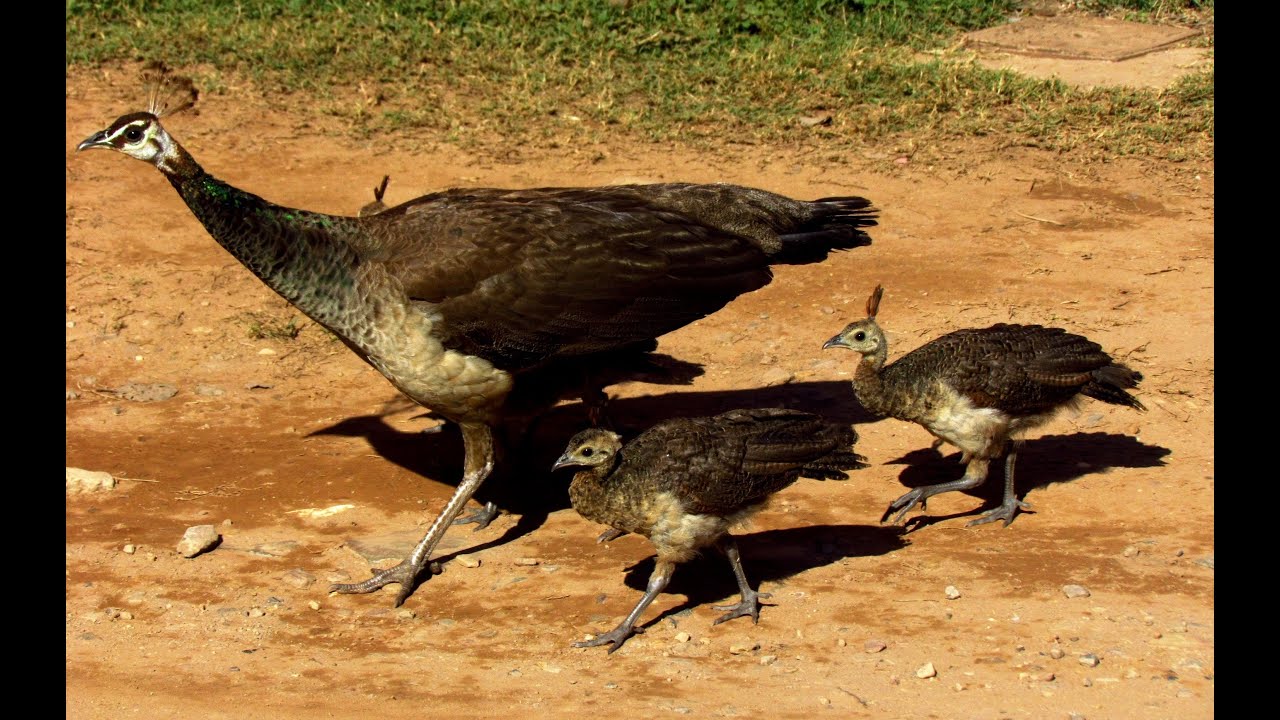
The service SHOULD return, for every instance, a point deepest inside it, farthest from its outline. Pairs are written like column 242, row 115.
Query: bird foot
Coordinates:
column 610, row 534
column 904, row 504
column 401, row 573
column 750, row 605
column 481, row 517
column 616, row 637
column 1006, row 512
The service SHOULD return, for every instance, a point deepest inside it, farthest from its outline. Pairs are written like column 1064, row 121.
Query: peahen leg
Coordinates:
column 477, row 443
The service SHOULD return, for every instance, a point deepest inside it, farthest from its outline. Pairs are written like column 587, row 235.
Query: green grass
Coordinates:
column 695, row 72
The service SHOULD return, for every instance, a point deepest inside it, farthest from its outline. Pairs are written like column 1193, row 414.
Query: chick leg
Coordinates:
column 974, row 475
column 657, row 583
column 477, row 442
column 750, row 603
column 1011, row 505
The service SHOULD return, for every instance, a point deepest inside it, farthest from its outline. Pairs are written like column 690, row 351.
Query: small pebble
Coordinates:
column 873, row 646
column 841, row 642
column 768, row 659
column 1075, row 716
column 824, row 701
column 1044, row 677
column 465, row 560
column 1056, row 652
column 406, row 614
column 926, row 671
column 257, row 612
column 951, row 592
column 527, row 561
column 130, row 549
column 313, row 605
column 126, row 615
column 1075, row 591
column 683, row 637
column 1089, row 660
column 739, row 648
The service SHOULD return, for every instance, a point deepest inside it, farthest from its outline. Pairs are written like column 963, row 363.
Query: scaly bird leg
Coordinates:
column 974, row 475
column 1011, row 505
column 657, row 583
column 477, row 443
column 750, row 603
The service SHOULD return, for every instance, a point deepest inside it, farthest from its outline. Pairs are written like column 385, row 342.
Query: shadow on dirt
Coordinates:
column 522, row 482
column 768, row 558
column 1041, row 462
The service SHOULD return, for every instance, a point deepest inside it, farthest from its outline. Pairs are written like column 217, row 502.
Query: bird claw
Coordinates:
column 480, row 516
column 615, row 637
column 610, row 534
column 1006, row 512
column 400, row 573
column 904, row 504
column 750, row 605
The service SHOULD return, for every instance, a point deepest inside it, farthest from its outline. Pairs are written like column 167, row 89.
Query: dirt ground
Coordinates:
column 261, row 429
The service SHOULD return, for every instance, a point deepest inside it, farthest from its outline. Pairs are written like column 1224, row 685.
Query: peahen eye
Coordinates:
column 133, row 134
column 860, row 336
column 587, row 452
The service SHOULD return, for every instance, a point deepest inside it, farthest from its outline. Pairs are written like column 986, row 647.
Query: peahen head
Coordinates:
column 139, row 134
column 863, row 336
column 591, row 448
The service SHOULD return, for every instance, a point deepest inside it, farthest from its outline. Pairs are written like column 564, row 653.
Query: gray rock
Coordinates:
column 1089, row 660
column 1075, row 591
column 197, row 539
column 299, row 578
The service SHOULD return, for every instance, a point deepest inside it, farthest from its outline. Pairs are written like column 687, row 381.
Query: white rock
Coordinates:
column 951, row 592
column 1075, row 591
column 83, row 481
column 926, row 671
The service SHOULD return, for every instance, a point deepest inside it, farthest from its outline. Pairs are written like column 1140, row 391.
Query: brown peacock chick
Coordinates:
column 979, row 389
column 377, row 206
column 684, row 483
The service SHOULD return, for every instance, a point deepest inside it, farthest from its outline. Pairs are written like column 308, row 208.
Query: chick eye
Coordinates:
column 587, row 452
column 133, row 134
column 860, row 336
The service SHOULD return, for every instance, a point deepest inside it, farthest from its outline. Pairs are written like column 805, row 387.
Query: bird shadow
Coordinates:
column 522, row 482
column 768, row 557
column 1041, row 462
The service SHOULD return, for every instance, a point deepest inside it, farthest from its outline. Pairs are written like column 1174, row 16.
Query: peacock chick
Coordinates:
column 377, row 206
column 980, row 389
column 684, row 483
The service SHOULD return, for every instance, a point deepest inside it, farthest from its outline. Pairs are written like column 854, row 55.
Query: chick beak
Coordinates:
column 96, row 140
column 837, row 341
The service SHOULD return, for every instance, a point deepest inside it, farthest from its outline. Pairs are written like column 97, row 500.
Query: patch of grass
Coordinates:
column 557, row 71
column 262, row 326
